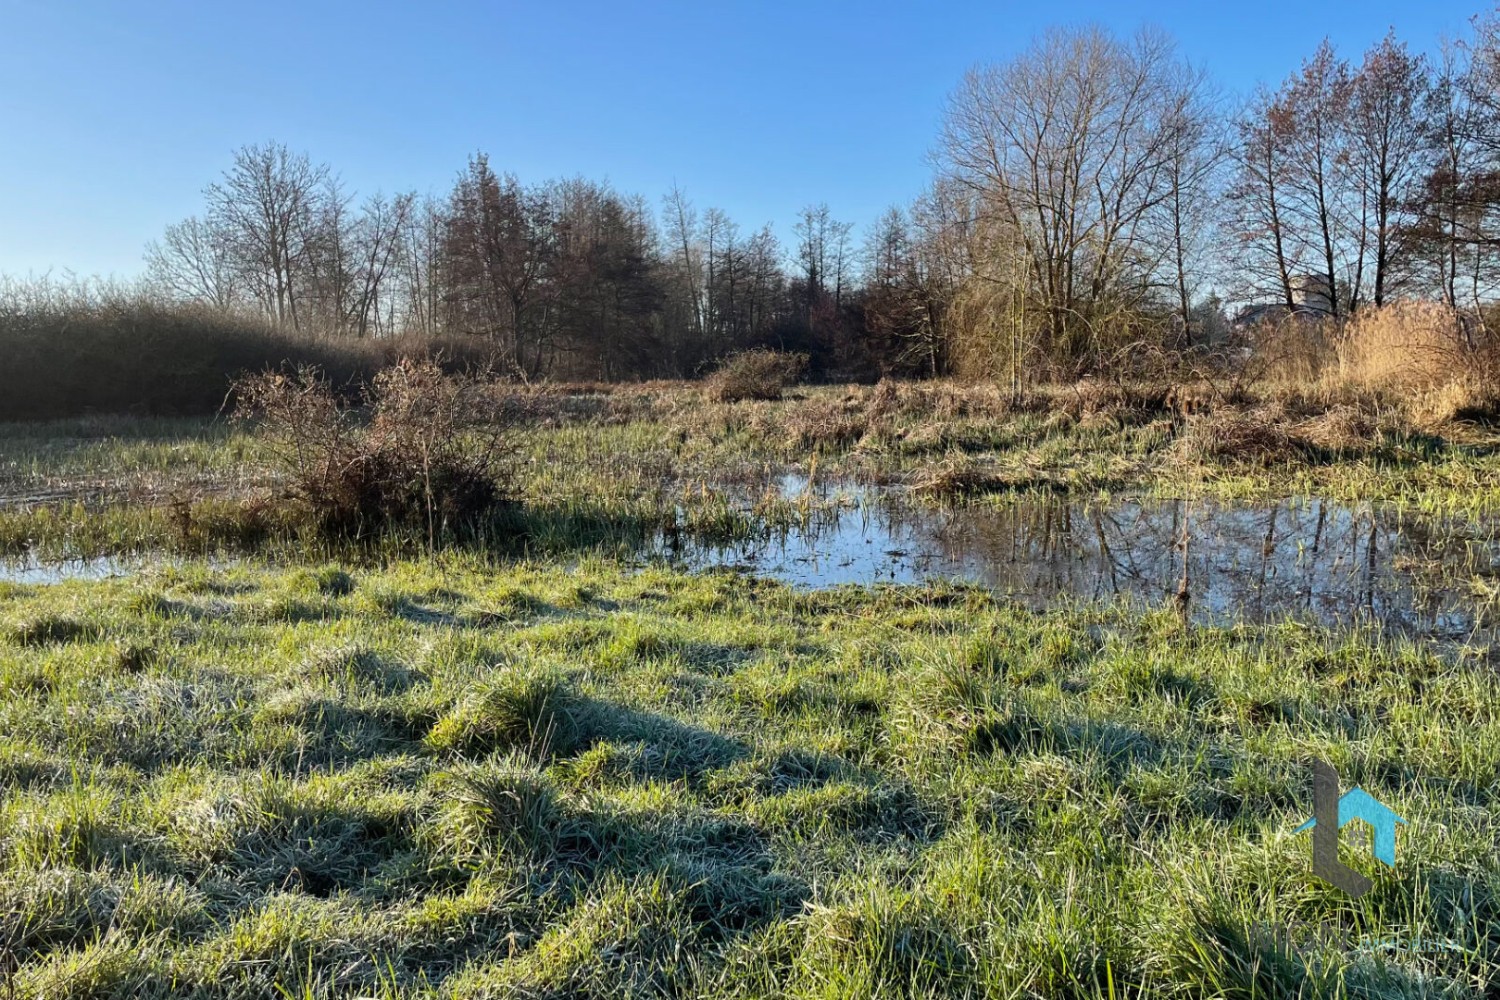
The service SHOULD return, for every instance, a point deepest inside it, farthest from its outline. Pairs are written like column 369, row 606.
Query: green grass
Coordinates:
column 453, row 779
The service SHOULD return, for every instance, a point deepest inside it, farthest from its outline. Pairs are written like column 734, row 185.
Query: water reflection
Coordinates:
column 31, row 571
column 1312, row 559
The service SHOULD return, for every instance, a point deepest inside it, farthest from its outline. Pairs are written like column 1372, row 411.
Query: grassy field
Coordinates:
column 450, row 779
column 520, row 766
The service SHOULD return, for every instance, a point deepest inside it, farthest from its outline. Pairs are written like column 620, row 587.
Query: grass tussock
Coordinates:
column 959, row 480
column 1237, row 435
column 51, row 630
column 532, row 712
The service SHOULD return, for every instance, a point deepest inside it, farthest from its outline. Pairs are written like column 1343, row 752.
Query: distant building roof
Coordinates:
column 1275, row 312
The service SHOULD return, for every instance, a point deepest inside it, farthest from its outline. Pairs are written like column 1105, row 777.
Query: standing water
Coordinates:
column 1309, row 559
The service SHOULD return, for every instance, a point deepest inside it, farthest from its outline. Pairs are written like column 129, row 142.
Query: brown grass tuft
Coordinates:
column 960, row 480
column 1342, row 428
column 1096, row 401
column 1234, row 434
column 834, row 424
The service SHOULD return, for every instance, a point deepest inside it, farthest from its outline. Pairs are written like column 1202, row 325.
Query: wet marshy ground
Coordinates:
column 1309, row 559
column 1408, row 571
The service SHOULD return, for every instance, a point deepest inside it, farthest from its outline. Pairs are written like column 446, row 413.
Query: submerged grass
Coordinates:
column 447, row 778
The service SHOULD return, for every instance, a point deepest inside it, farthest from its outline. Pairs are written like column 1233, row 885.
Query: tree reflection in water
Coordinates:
column 1310, row 559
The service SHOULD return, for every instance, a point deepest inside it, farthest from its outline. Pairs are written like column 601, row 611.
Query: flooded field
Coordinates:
column 1308, row 559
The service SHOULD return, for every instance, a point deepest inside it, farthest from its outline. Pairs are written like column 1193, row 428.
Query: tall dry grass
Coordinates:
column 1293, row 352
column 1408, row 345
column 1439, row 364
column 96, row 348
column 1423, row 361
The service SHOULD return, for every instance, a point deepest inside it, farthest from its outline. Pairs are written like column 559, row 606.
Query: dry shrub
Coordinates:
column 1408, row 345
column 427, row 457
column 758, row 374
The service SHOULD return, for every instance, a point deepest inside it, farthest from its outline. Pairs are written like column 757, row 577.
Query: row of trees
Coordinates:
column 1094, row 193
column 1377, row 178
column 1107, row 188
column 566, row 277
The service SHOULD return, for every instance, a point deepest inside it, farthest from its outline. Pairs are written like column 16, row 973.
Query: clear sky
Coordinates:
column 114, row 115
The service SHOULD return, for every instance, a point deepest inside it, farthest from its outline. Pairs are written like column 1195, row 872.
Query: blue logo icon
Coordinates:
column 1331, row 813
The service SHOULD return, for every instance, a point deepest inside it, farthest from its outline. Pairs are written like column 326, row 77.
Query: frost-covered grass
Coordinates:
column 452, row 779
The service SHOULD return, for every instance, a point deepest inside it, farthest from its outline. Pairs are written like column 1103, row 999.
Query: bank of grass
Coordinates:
column 446, row 779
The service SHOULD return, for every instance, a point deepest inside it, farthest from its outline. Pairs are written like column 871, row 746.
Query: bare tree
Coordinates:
column 899, row 301
column 192, row 261
column 681, row 221
column 1311, row 118
column 266, row 208
column 1455, row 220
column 1196, row 148
column 376, row 245
column 420, row 262
column 1260, row 224
column 822, row 252
column 1389, row 109
column 1068, row 148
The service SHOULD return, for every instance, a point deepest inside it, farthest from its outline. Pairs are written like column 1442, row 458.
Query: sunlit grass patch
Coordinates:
column 453, row 778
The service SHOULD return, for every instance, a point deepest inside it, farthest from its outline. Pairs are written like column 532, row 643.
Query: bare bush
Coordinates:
column 429, row 456
column 758, row 374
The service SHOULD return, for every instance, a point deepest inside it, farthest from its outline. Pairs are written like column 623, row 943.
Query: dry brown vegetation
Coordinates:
column 407, row 465
column 756, row 374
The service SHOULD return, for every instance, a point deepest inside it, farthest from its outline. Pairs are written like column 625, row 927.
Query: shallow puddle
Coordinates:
column 1308, row 559
column 1313, row 560
column 31, row 571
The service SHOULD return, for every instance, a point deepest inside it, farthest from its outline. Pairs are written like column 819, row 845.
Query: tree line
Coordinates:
column 1092, row 195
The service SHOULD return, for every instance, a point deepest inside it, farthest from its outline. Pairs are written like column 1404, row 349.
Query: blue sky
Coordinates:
column 113, row 116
